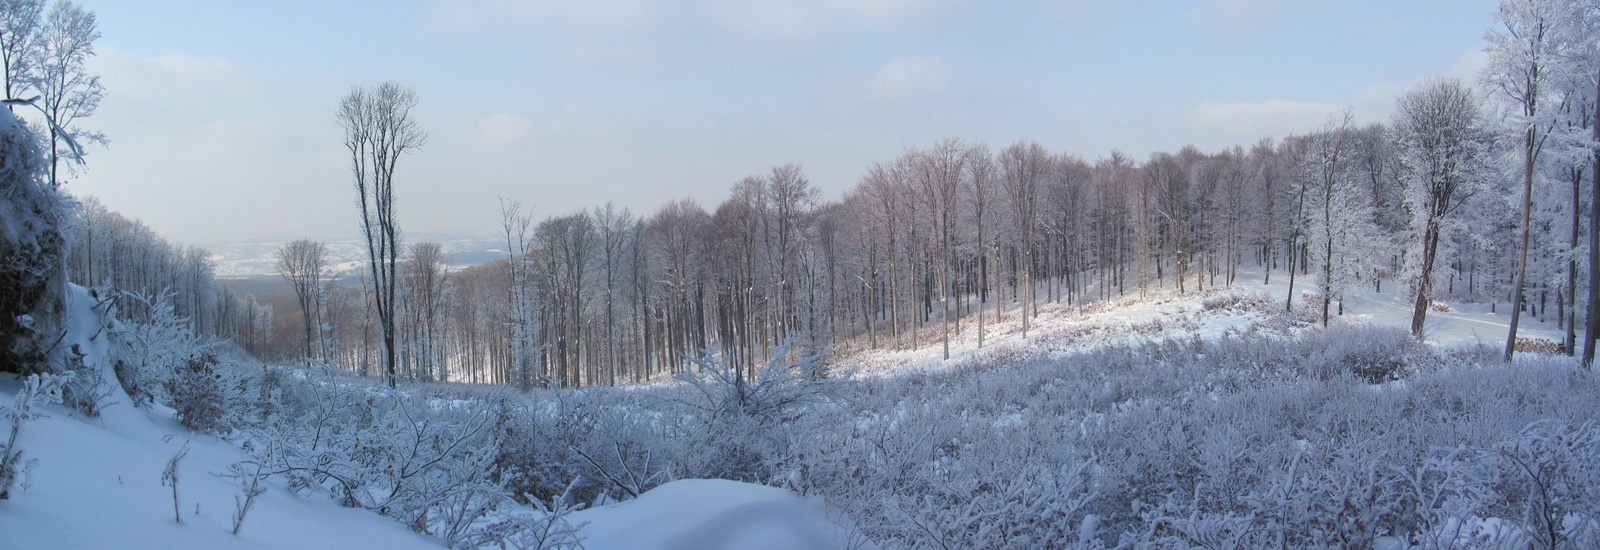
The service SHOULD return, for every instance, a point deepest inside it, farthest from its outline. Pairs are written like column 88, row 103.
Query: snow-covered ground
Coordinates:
column 97, row 482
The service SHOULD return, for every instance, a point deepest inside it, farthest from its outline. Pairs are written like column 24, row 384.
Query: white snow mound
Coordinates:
column 708, row 514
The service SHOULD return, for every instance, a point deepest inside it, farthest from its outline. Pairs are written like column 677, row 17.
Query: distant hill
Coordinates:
column 257, row 258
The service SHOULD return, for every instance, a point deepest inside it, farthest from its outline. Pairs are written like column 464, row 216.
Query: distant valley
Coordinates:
column 258, row 258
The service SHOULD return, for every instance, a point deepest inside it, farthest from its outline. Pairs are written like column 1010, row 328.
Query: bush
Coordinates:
column 739, row 420
column 195, row 393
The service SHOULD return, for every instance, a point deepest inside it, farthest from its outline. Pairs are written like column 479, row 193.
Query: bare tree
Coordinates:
column 1328, row 161
column 1169, row 182
column 1022, row 168
column 300, row 263
column 1584, row 28
column 378, row 130
column 1518, row 69
column 67, row 91
column 939, row 173
column 522, row 318
column 613, row 227
column 1443, row 146
column 980, row 165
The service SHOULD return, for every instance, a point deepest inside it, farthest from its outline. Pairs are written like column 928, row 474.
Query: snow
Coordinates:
column 707, row 514
column 96, row 482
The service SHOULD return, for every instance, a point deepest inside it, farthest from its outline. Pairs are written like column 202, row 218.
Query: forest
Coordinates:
column 953, row 235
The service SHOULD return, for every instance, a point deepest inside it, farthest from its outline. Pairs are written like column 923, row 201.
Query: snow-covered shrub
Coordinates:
column 1374, row 354
column 425, row 460
column 1243, row 442
column 169, row 478
column 153, row 346
column 776, row 392
column 1547, row 481
column 1237, row 300
column 544, row 528
column 586, row 445
column 534, row 462
column 195, row 391
column 1248, row 441
column 252, row 484
column 37, row 389
column 83, row 387
column 735, row 420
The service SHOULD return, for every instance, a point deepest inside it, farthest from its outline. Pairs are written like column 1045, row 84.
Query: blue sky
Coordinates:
column 220, row 114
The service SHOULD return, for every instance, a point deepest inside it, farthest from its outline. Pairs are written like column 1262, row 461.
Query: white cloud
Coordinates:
column 1274, row 117
column 546, row 13
column 1244, row 17
column 169, row 74
column 764, row 19
column 799, row 18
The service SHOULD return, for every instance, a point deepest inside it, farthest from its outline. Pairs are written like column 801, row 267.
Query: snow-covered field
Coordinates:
column 1209, row 419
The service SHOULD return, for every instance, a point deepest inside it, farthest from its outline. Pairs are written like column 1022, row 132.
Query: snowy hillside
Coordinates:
column 97, row 482
column 1247, row 308
column 100, row 482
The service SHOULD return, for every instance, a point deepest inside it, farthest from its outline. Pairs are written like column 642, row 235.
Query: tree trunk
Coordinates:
column 1593, row 319
column 1430, row 243
column 1522, row 255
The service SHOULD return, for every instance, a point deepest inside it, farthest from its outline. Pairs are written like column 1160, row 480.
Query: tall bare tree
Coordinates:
column 939, row 174
column 981, row 166
column 378, row 130
column 1520, row 60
